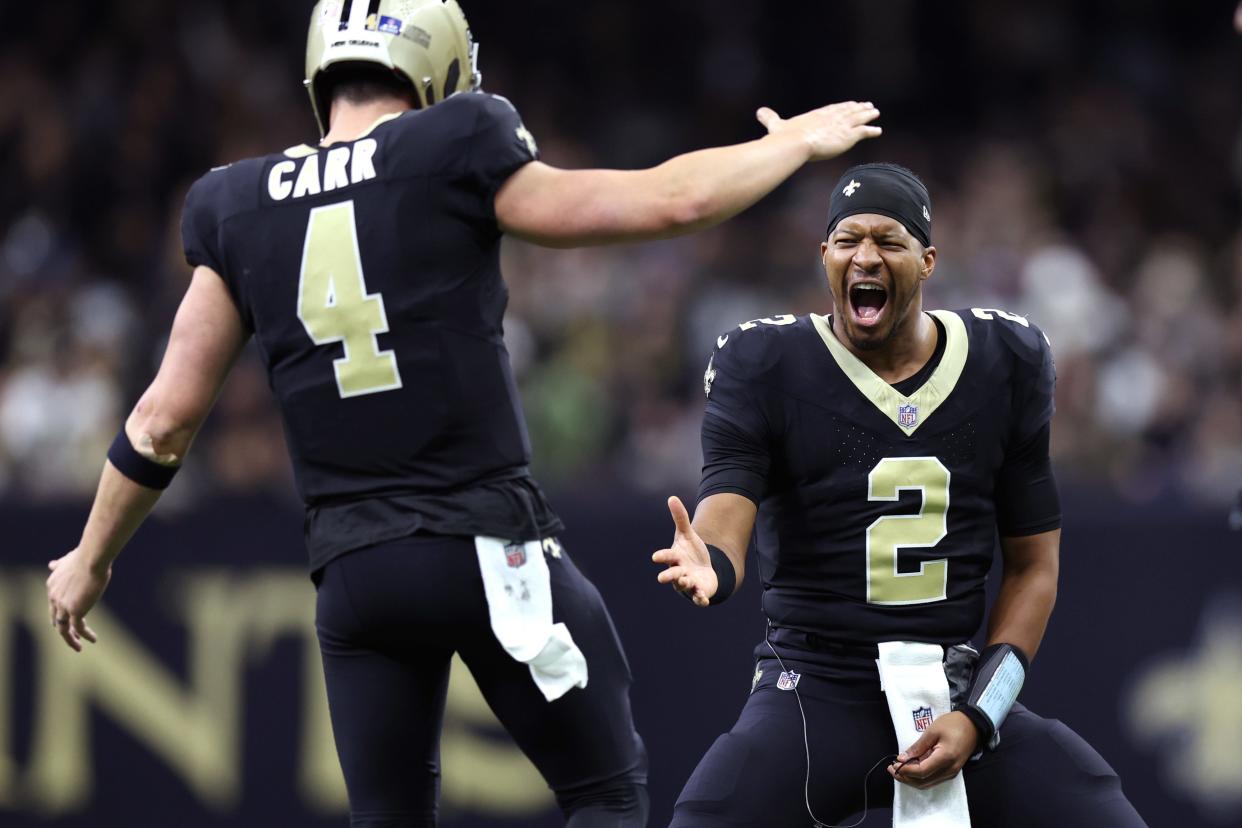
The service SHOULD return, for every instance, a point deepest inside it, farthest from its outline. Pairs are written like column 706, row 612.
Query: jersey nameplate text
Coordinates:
column 341, row 166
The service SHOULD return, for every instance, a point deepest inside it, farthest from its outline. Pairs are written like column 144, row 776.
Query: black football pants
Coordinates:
column 390, row 617
column 1042, row 775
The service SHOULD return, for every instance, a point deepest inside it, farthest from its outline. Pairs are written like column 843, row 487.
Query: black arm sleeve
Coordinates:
column 736, row 444
column 733, row 461
column 1027, row 502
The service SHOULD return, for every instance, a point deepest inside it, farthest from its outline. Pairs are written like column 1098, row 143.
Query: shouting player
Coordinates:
column 367, row 270
column 875, row 454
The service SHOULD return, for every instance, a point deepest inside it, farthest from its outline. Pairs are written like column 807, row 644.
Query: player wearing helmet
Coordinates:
column 367, row 270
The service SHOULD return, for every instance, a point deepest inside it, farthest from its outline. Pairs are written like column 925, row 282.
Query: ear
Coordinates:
column 927, row 263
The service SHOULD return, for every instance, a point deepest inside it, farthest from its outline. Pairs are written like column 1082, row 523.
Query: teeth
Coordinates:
column 867, row 287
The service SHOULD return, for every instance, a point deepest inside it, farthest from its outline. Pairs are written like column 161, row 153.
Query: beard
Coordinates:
column 875, row 343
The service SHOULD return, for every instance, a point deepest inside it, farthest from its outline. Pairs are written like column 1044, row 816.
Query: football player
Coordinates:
column 366, row 267
column 874, row 455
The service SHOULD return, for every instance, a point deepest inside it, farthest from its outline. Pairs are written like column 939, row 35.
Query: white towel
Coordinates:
column 912, row 678
column 519, row 603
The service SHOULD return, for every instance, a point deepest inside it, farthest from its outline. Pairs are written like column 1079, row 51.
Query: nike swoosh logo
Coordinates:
column 721, row 340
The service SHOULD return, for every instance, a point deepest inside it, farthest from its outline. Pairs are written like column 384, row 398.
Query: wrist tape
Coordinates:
column 999, row 676
column 726, row 576
column 141, row 470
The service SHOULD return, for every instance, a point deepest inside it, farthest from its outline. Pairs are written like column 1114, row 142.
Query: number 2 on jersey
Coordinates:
column 334, row 305
column 889, row 534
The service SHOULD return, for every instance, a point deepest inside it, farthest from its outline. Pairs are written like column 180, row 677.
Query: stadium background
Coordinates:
column 1085, row 163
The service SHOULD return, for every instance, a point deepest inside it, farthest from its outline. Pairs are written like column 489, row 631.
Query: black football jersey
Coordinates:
column 369, row 274
column 877, row 511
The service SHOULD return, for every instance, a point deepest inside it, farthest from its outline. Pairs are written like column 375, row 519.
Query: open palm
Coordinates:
column 829, row 130
column 689, row 566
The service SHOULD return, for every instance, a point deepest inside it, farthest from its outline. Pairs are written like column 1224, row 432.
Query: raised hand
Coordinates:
column 829, row 130
column 689, row 565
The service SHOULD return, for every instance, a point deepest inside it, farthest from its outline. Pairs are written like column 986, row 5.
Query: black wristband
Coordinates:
column 998, row 677
column 726, row 576
column 141, row 470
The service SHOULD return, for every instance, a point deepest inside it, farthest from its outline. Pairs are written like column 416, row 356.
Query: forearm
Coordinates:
column 570, row 208
column 119, row 509
column 736, row 553
column 726, row 521
column 1020, row 615
column 703, row 188
column 160, row 430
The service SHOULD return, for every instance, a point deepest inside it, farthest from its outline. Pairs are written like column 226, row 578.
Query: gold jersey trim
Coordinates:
column 303, row 150
column 889, row 400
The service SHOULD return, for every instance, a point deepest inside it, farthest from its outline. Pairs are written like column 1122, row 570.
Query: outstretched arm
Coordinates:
column 206, row 337
column 571, row 208
column 723, row 520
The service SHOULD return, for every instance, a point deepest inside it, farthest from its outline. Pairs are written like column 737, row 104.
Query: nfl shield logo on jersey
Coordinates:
column 788, row 681
column 922, row 718
column 907, row 415
column 515, row 554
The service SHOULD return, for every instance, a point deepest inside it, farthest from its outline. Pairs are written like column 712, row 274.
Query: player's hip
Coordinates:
column 429, row 587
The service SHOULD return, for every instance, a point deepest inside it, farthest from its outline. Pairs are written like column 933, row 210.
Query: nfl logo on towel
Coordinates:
column 907, row 415
column 515, row 554
column 922, row 718
column 788, row 681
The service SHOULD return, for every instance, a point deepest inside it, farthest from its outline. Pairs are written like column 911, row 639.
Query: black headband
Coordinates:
column 886, row 189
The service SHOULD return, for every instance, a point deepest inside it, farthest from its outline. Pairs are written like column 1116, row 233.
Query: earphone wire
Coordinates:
column 806, row 743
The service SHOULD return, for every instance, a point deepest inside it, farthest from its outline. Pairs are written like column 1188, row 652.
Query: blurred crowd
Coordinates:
column 1084, row 160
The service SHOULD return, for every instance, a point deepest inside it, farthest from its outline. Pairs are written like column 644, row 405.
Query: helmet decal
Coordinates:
column 426, row 42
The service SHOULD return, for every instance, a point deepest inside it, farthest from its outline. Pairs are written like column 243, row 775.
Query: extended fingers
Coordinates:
column 673, row 573
column 681, row 518
column 849, row 107
column 666, row 556
column 865, row 115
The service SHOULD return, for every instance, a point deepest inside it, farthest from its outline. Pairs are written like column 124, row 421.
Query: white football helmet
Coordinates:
column 425, row 42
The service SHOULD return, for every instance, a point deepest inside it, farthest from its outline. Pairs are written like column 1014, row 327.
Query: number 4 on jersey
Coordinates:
column 334, row 305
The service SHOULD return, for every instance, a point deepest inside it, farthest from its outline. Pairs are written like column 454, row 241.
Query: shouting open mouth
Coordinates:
column 867, row 302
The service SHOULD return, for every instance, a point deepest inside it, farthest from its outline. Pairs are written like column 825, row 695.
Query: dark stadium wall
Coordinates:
column 203, row 705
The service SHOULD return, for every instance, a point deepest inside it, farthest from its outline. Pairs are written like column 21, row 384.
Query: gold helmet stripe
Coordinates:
column 357, row 14
column 427, row 42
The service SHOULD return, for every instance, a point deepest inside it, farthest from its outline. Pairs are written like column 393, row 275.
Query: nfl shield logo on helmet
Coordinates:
column 789, row 680
column 922, row 718
column 907, row 415
column 515, row 554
